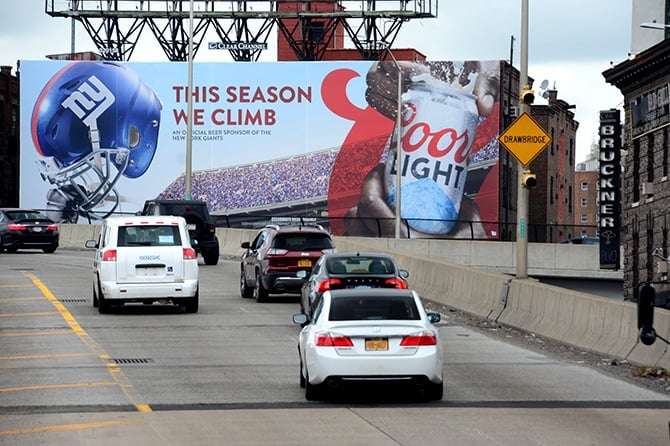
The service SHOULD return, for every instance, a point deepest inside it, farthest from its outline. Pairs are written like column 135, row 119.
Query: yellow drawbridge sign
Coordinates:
column 524, row 139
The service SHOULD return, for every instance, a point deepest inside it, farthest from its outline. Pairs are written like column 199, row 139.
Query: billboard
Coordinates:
column 99, row 138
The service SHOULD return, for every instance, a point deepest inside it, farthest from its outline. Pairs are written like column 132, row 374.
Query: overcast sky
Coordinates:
column 570, row 44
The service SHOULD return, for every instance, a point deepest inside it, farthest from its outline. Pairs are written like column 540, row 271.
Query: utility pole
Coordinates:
column 522, row 194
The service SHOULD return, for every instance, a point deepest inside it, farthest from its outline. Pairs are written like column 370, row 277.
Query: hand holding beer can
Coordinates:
column 438, row 126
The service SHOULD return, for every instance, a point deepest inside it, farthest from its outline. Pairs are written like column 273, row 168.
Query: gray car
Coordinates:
column 342, row 270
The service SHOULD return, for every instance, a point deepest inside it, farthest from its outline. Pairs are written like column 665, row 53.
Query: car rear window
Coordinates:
column 149, row 235
column 360, row 265
column 353, row 308
column 302, row 242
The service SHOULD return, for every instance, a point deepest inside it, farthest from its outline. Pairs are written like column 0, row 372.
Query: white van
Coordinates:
column 144, row 259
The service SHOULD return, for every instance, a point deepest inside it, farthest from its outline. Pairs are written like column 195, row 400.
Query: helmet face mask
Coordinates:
column 93, row 123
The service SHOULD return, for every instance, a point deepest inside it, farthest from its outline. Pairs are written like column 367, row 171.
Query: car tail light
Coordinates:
column 332, row 340
column 109, row 256
column 277, row 252
column 329, row 284
column 394, row 282
column 422, row 338
column 16, row 227
column 212, row 229
column 52, row 228
column 189, row 254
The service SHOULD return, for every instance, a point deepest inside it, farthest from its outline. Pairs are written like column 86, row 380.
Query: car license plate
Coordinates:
column 37, row 229
column 304, row 262
column 376, row 344
column 191, row 226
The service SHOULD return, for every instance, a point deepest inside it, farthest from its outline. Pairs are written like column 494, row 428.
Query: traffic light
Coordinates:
column 527, row 95
column 528, row 179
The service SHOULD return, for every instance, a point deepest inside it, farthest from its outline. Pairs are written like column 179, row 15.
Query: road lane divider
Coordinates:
column 119, row 377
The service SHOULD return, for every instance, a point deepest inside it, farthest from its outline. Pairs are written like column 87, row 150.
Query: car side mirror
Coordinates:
column 91, row 244
column 645, row 314
column 245, row 245
column 434, row 317
column 300, row 319
column 403, row 273
column 302, row 274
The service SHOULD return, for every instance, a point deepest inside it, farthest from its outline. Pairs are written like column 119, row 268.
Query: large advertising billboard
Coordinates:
column 99, row 138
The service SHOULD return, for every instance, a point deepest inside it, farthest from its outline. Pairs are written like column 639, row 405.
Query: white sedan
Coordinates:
column 369, row 334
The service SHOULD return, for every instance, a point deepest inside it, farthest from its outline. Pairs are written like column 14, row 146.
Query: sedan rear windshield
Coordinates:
column 149, row 235
column 373, row 308
column 360, row 265
column 302, row 242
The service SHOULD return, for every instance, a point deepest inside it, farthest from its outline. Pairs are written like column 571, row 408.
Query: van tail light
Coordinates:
column 109, row 255
column 329, row 284
column 327, row 339
column 394, row 282
column 189, row 254
column 420, row 338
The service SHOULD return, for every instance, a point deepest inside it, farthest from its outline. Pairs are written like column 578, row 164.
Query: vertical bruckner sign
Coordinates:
column 609, row 192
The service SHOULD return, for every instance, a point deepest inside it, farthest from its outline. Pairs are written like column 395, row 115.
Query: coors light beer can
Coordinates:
column 438, row 128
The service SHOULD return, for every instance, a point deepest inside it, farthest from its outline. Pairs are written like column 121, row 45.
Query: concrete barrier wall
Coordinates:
column 586, row 321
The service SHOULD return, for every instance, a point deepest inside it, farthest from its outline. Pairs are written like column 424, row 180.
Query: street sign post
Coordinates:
column 525, row 139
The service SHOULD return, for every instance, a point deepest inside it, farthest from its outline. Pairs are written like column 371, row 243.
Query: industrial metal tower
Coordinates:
column 243, row 26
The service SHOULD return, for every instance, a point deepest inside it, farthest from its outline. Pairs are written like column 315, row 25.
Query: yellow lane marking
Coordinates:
column 39, row 313
column 55, row 355
column 35, row 333
column 58, row 386
column 116, row 372
column 69, row 427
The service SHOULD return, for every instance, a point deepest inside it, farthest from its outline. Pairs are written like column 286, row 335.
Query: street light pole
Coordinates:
column 398, row 147
column 522, row 192
column 189, row 96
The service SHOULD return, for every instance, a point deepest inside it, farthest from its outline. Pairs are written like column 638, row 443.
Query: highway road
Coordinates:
column 153, row 375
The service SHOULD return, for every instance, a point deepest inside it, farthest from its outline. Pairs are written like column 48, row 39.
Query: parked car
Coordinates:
column 201, row 227
column 350, row 270
column 27, row 229
column 144, row 259
column 270, row 263
column 369, row 334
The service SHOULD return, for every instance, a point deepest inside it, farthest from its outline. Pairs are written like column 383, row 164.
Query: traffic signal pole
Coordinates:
column 522, row 192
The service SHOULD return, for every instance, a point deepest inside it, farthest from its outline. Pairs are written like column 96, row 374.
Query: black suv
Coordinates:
column 201, row 226
column 270, row 263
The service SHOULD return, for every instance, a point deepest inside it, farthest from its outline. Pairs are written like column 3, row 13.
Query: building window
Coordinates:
column 585, row 185
column 585, row 218
column 584, row 201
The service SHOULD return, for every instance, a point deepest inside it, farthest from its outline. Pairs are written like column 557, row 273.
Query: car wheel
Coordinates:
column 103, row 305
column 49, row 250
column 192, row 303
column 211, row 256
column 302, row 375
column 95, row 298
column 245, row 290
column 313, row 392
column 260, row 293
column 432, row 391
column 12, row 249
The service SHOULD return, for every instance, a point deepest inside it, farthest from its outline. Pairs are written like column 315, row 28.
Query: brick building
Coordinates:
column 644, row 81
column 586, row 199
column 9, row 137
column 551, row 208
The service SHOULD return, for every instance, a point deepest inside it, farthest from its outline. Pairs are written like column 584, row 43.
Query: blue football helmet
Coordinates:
column 92, row 123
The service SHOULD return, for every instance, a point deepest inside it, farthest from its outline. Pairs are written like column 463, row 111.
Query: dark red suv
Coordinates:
column 271, row 261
